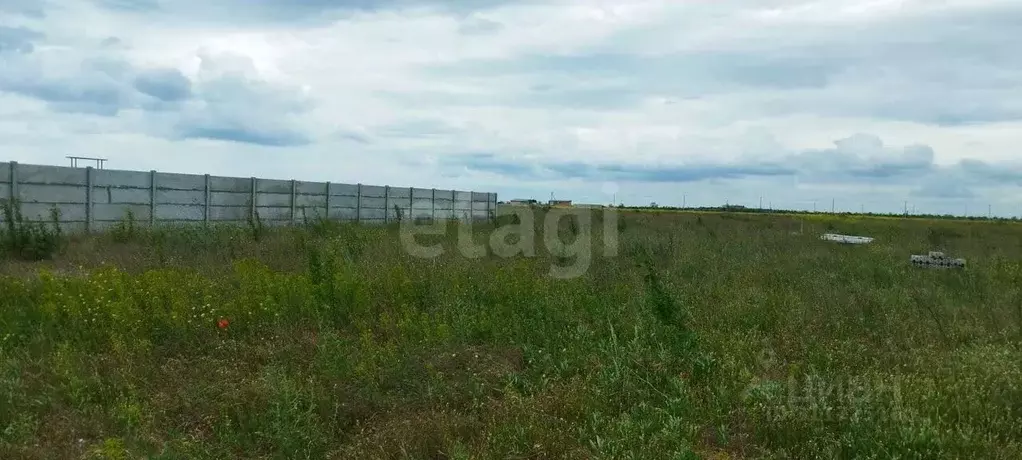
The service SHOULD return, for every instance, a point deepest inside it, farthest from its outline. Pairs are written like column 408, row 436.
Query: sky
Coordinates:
column 872, row 105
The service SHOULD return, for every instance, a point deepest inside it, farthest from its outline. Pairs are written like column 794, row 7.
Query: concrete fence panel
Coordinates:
column 91, row 199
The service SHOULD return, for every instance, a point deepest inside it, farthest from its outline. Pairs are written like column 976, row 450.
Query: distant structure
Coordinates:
column 99, row 161
column 522, row 202
column 560, row 203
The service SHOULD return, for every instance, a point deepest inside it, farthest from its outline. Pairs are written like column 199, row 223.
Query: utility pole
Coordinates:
column 832, row 205
column 684, row 203
column 761, row 203
column 906, row 207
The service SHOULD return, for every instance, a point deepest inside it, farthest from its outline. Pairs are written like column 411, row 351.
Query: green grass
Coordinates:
column 707, row 336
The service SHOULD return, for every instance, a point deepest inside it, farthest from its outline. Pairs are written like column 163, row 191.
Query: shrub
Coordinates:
column 126, row 230
column 26, row 239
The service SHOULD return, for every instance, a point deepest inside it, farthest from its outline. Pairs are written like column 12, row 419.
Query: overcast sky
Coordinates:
column 869, row 103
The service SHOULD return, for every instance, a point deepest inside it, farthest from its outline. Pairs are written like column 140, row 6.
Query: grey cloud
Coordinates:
column 240, row 109
column 164, row 84
column 352, row 135
column 417, row 129
column 475, row 25
column 307, row 11
column 861, row 159
column 226, row 104
column 946, row 68
column 96, row 89
column 29, row 8
column 678, row 74
column 18, row 39
column 242, row 134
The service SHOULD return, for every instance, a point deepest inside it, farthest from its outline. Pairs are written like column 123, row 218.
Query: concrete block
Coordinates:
column 229, row 213
column 371, row 213
column 343, row 190
column 392, row 212
column 120, row 179
column 231, row 198
column 41, row 211
column 128, row 196
column 311, row 188
column 373, row 203
column 230, row 184
column 421, row 213
column 174, row 181
column 936, row 260
column 36, row 193
column 274, row 213
column 342, row 214
column 424, row 193
column 343, row 202
column 5, row 191
column 179, row 212
column 72, row 226
column 480, row 206
column 478, row 196
column 846, row 239
column 179, row 197
column 420, row 203
column 463, row 205
column 444, row 204
column 446, row 214
column 400, row 193
column 274, row 200
column 38, row 174
column 463, row 196
column 5, row 173
column 274, row 186
column 311, row 201
column 118, row 212
column 372, row 191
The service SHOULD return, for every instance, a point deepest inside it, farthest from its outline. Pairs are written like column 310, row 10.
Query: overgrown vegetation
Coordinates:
column 706, row 336
column 25, row 239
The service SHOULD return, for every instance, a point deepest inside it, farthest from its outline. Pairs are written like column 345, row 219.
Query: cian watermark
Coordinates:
column 567, row 235
column 819, row 398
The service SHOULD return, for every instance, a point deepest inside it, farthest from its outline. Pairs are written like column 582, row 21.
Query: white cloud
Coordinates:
column 419, row 92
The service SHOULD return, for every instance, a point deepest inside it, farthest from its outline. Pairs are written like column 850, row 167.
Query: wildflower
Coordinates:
column 223, row 323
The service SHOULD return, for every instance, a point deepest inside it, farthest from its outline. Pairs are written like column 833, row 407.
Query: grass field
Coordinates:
column 707, row 336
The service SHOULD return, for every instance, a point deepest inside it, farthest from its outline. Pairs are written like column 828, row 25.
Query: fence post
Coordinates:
column 454, row 206
column 491, row 212
column 411, row 203
column 152, row 198
column 205, row 210
column 252, row 212
column 294, row 197
column 14, row 192
column 386, row 204
column 432, row 207
column 327, row 214
column 88, row 199
column 358, row 204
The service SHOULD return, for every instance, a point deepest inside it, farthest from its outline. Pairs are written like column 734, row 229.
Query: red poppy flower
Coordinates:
column 223, row 323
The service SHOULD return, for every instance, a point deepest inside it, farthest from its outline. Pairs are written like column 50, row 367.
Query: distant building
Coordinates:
column 560, row 203
column 522, row 202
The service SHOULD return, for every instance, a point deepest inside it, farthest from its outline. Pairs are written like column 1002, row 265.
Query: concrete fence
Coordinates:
column 92, row 199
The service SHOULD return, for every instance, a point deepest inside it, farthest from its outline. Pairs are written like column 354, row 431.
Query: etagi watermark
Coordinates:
column 567, row 235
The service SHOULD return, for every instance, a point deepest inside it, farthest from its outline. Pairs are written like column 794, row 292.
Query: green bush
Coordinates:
column 28, row 240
